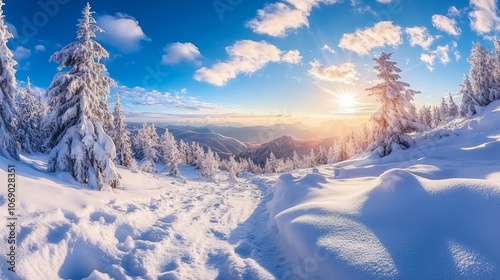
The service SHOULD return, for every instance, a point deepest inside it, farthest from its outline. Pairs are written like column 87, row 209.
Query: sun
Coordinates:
column 346, row 101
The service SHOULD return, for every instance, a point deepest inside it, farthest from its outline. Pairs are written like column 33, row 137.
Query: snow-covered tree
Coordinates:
column 296, row 160
column 425, row 116
column 210, row 164
column 233, row 168
column 436, row 116
column 170, row 153
column 198, row 155
column 146, row 144
column 8, row 144
column 481, row 74
column 31, row 113
column 185, row 152
column 444, row 110
column 392, row 120
column 453, row 109
column 273, row 165
column 79, row 111
column 469, row 105
column 121, row 138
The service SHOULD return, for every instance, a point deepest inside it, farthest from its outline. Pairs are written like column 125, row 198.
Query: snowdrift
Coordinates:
column 430, row 212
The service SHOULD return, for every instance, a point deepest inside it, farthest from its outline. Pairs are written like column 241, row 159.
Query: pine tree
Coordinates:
column 469, row 104
column 31, row 112
column 146, row 143
column 79, row 111
column 444, row 110
column 170, row 153
column 425, row 116
column 392, row 120
column 233, row 168
column 121, row 138
column 482, row 77
column 453, row 109
column 185, row 152
column 436, row 116
column 210, row 164
column 198, row 154
column 8, row 114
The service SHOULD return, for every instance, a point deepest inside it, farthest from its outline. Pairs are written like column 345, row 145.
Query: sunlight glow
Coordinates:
column 346, row 101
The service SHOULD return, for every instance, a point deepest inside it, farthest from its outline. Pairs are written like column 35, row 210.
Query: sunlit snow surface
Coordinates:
column 430, row 212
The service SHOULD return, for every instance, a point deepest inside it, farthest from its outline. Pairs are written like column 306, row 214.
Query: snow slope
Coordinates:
column 157, row 227
column 430, row 212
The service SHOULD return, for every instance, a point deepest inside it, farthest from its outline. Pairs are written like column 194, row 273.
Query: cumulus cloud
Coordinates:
column 276, row 19
column 139, row 96
column 446, row 24
column 345, row 73
column 362, row 41
column 385, row 1
column 40, row 48
column 483, row 16
column 246, row 57
column 441, row 53
column 21, row 53
column 292, row 57
column 420, row 36
column 177, row 52
column 122, row 32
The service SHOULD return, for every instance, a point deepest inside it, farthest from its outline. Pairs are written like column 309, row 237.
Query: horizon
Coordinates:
column 258, row 66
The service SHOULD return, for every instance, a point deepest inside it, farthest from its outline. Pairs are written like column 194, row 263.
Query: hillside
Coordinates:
column 283, row 148
column 430, row 212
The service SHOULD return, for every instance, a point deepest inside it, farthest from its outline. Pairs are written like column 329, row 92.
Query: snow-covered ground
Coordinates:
column 431, row 212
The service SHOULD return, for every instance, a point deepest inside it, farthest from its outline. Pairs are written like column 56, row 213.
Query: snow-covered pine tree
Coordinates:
column 8, row 114
column 425, row 116
column 198, row 154
column 481, row 74
column 392, row 121
column 233, row 168
column 436, row 116
column 121, row 138
column 31, row 112
column 272, row 165
column 79, row 111
column 210, row 164
column 453, row 108
column 444, row 110
column 146, row 143
column 469, row 105
column 170, row 153
column 185, row 152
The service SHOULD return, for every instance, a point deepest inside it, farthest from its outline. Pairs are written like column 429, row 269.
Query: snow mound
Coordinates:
column 429, row 212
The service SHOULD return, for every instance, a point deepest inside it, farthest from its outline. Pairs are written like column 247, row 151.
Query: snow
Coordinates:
column 428, row 212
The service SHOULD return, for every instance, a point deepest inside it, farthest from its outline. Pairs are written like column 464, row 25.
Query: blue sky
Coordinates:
column 246, row 61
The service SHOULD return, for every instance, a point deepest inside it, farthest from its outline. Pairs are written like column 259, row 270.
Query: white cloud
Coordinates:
column 40, row 48
column 362, row 41
column 246, row 57
column 21, row 53
column 139, row 96
column 453, row 11
column 292, row 57
column 345, row 73
column 177, row 52
column 441, row 53
column 328, row 49
column 420, row 36
column 446, row 24
column 276, row 19
column 122, row 32
column 483, row 16
column 385, row 1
